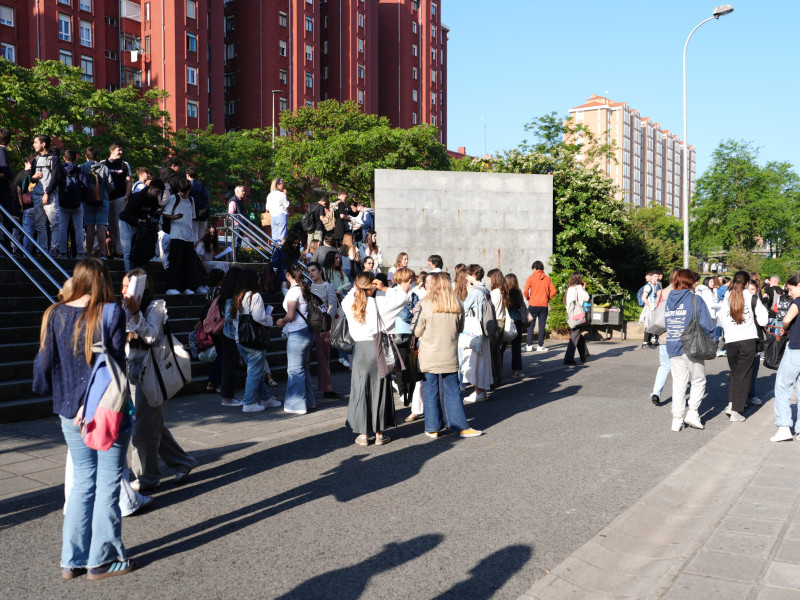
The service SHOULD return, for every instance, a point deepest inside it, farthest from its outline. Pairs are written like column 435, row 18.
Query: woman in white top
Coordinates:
column 400, row 263
column 707, row 291
column 739, row 324
column 576, row 296
column 299, row 391
column 371, row 406
column 334, row 273
column 278, row 209
column 207, row 249
column 326, row 292
column 247, row 301
column 370, row 248
column 499, row 299
column 476, row 359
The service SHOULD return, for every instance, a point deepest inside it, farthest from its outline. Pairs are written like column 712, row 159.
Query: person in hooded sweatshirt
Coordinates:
column 685, row 370
column 538, row 292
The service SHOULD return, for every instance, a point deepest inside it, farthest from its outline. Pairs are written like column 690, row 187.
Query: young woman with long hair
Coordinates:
column 739, row 313
column 285, row 256
column 247, row 300
column 576, row 295
column 92, row 534
column 349, row 253
column 440, row 320
column 370, row 248
column 476, row 366
column 151, row 439
column 207, row 249
column 516, row 304
column 326, row 292
column 334, row 273
column 299, row 391
column 401, row 262
column 460, row 286
column 685, row 369
column 225, row 342
column 789, row 370
column 499, row 297
column 371, row 405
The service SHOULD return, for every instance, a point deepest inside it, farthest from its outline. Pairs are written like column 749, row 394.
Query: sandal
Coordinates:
column 211, row 388
column 380, row 440
column 413, row 417
column 363, row 440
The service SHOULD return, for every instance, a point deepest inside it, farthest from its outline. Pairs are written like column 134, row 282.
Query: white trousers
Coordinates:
column 686, row 371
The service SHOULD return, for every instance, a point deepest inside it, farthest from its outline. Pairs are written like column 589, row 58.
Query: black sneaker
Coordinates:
column 331, row 395
column 655, row 400
column 117, row 567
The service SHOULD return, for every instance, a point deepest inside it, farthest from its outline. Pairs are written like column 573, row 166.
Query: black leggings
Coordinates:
column 230, row 362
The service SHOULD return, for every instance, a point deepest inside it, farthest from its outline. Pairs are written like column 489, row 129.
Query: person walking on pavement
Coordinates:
column 538, row 292
column 789, row 370
column 576, row 296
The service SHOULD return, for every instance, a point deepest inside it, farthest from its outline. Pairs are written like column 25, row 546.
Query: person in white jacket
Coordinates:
column 371, row 405
column 738, row 315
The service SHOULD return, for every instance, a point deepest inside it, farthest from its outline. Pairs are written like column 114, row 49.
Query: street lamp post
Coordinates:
column 719, row 11
column 273, row 116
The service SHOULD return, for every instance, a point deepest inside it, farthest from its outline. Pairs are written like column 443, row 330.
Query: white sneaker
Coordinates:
column 528, row 348
column 692, row 419
column 541, row 349
column 344, row 362
column 755, row 401
column 474, row 397
column 231, row 402
column 173, row 292
column 188, row 292
column 677, row 423
column 295, row 411
column 784, row 434
column 737, row 417
column 253, row 407
column 202, row 290
column 729, row 409
column 272, row 403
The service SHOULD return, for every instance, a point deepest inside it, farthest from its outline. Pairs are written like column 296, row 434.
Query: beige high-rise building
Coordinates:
column 649, row 160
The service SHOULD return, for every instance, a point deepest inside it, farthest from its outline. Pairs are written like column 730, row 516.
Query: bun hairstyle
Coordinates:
column 361, row 286
column 736, row 298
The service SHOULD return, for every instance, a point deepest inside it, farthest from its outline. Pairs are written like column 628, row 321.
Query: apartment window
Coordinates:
column 361, row 97
column 111, row 87
column 433, row 54
column 433, row 119
column 325, row 21
column 191, row 75
column 147, row 44
column 112, row 54
column 309, row 52
column 413, row 95
column 128, row 42
column 309, row 24
column 325, row 73
column 191, row 42
column 360, row 46
column 6, row 16
column 230, row 51
column 86, row 34
column 64, row 2
column 413, row 27
column 413, row 49
column 433, row 97
column 309, row 80
column 309, row 104
column 87, row 66
column 361, row 71
column 7, row 51
column 147, row 11
column 284, row 76
column 433, row 8
column 413, row 118
column 283, row 104
column 132, row 77
column 191, row 9
column 433, row 76
column 433, row 31
column 325, row 47
column 282, row 48
column 191, row 109
column 65, row 56
column 414, row 73
column 230, row 24
column 360, row 19
column 64, row 28
column 282, row 21
column 86, row 5
column 415, row 6
column 111, row 21
column 230, row 80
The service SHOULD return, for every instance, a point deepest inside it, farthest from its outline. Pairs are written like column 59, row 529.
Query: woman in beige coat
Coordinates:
column 439, row 321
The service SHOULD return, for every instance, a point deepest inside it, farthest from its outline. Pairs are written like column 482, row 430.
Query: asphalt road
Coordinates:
column 312, row 515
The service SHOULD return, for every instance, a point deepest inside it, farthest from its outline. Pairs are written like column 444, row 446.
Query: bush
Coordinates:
column 775, row 266
column 743, row 260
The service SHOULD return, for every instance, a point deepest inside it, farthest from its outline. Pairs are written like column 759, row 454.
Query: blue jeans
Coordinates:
column 65, row 215
column 787, row 376
column 299, row 391
column 453, row 405
column 254, row 387
column 34, row 222
column 126, row 232
column 279, row 226
column 93, row 523
column 664, row 369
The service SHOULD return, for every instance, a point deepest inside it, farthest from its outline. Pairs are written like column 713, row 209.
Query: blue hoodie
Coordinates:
column 678, row 313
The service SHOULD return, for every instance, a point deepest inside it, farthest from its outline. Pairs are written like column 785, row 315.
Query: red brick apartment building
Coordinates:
column 233, row 62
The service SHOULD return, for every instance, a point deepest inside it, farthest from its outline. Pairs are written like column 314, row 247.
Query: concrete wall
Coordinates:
column 493, row 219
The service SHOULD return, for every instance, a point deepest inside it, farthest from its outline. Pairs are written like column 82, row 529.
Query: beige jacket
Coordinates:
column 438, row 334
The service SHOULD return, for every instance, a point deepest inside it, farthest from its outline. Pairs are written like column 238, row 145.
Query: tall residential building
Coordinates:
column 648, row 161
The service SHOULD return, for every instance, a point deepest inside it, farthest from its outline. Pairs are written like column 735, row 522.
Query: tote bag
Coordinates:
column 696, row 344
column 389, row 360
column 576, row 316
column 340, row 333
column 510, row 330
column 165, row 370
column 252, row 334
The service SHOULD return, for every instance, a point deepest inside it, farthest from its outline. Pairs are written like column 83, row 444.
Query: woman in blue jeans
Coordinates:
column 789, row 369
column 92, row 535
column 247, row 301
column 299, row 391
column 439, row 321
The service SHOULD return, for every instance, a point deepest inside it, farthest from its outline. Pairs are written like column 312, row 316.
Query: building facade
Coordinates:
column 647, row 165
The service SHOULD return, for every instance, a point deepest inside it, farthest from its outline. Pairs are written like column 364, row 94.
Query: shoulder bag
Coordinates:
column 252, row 334
column 389, row 360
column 576, row 316
column 165, row 370
column 658, row 323
column 775, row 348
column 509, row 330
column 340, row 333
column 696, row 344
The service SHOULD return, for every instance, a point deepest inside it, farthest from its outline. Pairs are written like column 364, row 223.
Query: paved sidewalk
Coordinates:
column 724, row 525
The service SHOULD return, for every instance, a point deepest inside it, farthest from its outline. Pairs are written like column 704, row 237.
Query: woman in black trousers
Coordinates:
column 227, row 351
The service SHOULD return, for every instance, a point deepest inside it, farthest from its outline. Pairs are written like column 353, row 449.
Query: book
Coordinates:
column 136, row 287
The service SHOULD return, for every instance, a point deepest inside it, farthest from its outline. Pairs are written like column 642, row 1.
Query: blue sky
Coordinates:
column 513, row 60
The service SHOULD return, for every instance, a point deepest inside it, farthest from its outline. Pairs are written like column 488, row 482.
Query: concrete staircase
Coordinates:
column 21, row 309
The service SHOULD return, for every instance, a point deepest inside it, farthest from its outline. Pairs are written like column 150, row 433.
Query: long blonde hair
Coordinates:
column 361, row 285
column 91, row 278
column 440, row 294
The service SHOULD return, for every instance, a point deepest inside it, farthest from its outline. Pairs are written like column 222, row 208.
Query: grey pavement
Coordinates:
column 578, row 489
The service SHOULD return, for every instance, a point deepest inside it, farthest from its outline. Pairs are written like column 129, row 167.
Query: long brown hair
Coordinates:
column 515, row 298
column 361, row 285
column 440, row 295
column 296, row 271
column 248, row 282
column 460, row 287
column 90, row 277
column 736, row 297
column 498, row 282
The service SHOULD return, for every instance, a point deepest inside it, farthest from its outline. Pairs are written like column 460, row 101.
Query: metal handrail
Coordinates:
column 36, row 245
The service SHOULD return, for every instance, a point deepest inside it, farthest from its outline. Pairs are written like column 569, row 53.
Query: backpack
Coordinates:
column 214, row 321
column 107, row 399
column 329, row 220
column 70, row 198
column 308, row 222
column 489, row 318
column 317, row 320
column 201, row 201
column 91, row 193
column 640, row 294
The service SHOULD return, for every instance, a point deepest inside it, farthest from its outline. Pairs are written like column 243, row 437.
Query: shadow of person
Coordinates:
column 348, row 583
column 490, row 574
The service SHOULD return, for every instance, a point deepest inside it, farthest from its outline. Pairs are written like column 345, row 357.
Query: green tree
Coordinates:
column 661, row 234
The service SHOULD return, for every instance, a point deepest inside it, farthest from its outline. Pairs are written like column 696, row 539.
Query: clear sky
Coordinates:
column 513, row 60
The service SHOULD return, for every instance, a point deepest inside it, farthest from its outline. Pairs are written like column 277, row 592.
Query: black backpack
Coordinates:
column 317, row 320
column 91, row 193
column 489, row 318
column 70, row 198
column 309, row 223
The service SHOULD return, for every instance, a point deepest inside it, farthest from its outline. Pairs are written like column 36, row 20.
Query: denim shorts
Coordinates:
column 95, row 215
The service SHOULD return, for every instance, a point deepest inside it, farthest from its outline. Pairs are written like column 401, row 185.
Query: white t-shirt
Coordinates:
column 183, row 228
column 277, row 204
column 295, row 294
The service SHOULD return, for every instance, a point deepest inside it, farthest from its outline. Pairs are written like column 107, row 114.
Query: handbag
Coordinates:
column 524, row 315
column 775, row 347
column 468, row 341
column 575, row 316
column 252, row 334
column 340, row 333
column 389, row 360
column 696, row 344
column 658, row 323
column 165, row 369
column 509, row 330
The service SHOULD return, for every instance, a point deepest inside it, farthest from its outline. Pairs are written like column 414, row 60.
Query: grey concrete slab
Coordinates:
column 765, row 510
column 783, row 575
column 729, row 567
column 737, row 543
column 789, row 551
column 768, row 593
column 693, row 587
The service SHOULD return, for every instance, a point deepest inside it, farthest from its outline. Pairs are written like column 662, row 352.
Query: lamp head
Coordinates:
column 719, row 11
